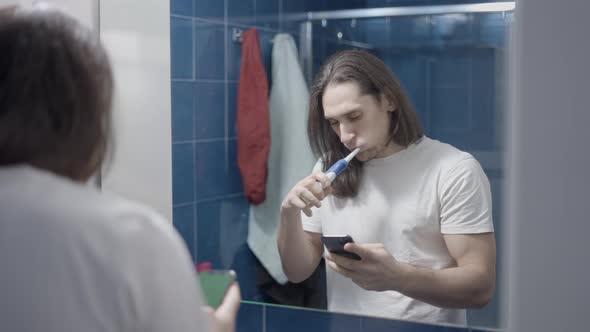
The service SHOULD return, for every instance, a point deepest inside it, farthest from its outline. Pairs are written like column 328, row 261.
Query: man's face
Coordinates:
column 358, row 120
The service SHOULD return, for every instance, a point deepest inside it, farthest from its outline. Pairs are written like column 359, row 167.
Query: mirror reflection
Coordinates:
column 420, row 90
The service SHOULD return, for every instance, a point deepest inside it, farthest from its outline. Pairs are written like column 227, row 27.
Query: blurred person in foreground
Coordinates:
column 74, row 258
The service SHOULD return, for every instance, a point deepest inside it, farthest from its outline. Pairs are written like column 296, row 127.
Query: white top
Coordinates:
column 76, row 259
column 407, row 201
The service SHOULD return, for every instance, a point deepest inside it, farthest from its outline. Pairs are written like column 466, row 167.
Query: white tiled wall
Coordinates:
column 136, row 33
column 85, row 11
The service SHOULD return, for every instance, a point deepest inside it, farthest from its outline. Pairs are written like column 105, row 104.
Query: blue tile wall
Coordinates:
column 450, row 111
column 451, row 70
column 288, row 7
column 384, row 325
column 235, row 179
column 411, row 69
column 303, row 5
column 295, row 6
column 321, row 5
column 250, row 318
column 214, row 10
column 378, row 30
column 182, row 7
column 304, row 320
column 242, row 11
column 272, row 318
column 409, row 31
column 490, row 28
column 484, row 101
column 216, row 174
column 183, row 112
column 232, row 99
column 183, row 217
column 451, row 30
column 209, row 51
column 183, row 173
column 210, row 110
column 181, row 48
column 267, row 13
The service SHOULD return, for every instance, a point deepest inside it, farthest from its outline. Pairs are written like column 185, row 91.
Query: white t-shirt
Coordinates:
column 75, row 259
column 407, row 201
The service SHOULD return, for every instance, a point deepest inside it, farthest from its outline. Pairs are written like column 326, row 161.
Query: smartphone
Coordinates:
column 335, row 244
column 215, row 284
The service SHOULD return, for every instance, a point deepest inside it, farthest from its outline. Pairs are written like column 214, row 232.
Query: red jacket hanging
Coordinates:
column 253, row 119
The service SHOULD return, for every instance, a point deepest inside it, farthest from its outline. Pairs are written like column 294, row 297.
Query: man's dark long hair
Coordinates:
column 373, row 78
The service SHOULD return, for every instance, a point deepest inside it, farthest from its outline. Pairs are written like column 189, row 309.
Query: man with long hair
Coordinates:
column 418, row 210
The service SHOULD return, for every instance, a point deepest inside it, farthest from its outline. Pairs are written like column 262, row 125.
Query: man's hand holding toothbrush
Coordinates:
column 314, row 188
column 307, row 193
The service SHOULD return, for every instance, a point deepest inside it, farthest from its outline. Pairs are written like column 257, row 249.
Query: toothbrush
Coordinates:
column 340, row 165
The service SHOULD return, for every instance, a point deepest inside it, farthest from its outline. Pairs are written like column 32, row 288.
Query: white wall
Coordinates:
column 549, row 181
column 136, row 33
column 86, row 11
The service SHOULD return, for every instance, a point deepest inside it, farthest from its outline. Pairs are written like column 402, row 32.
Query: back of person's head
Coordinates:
column 56, row 91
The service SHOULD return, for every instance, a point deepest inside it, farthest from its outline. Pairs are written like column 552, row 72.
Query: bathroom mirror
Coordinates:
column 451, row 60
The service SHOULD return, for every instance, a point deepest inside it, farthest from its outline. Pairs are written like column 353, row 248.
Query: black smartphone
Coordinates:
column 335, row 245
column 215, row 284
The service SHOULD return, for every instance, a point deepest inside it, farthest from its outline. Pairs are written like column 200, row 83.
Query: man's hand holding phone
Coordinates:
column 335, row 245
column 369, row 265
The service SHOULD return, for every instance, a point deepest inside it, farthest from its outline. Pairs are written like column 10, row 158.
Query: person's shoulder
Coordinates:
column 132, row 222
column 124, row 210
column 110, row 224
column 453, row 164
column 446, row 156
column 85, row 210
